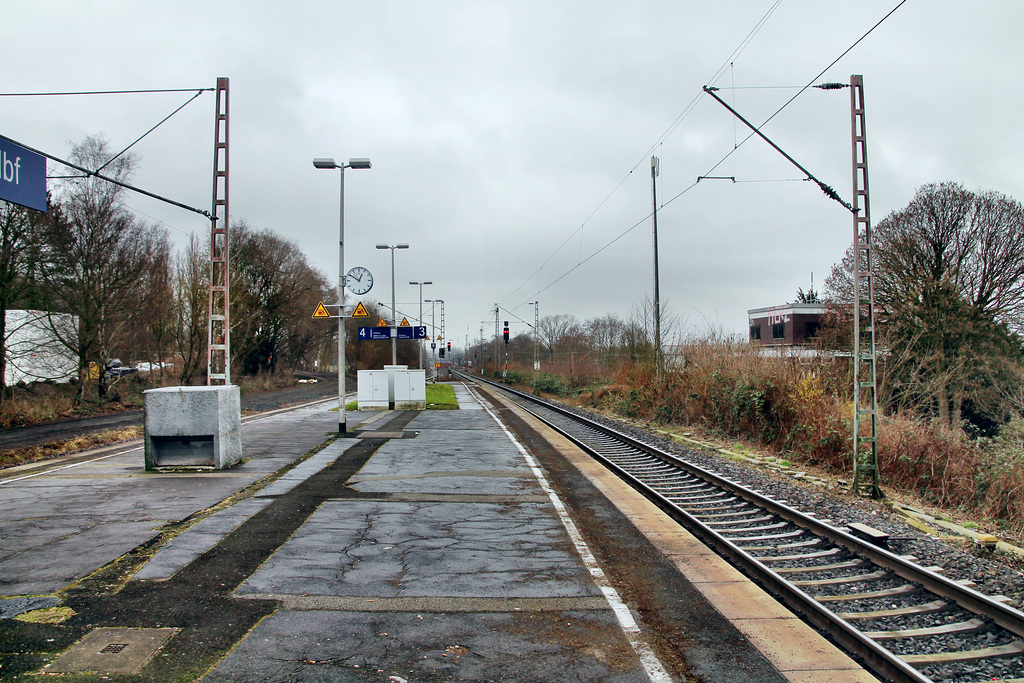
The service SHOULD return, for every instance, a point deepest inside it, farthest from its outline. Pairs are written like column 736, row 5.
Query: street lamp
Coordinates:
column 433, row 331
column 330, row 164
column 394, row 314
column 421, row 314
column 536, row 345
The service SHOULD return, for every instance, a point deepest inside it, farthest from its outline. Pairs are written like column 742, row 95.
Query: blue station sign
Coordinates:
column 378, row 333
column 375, row 333
column 22, row 176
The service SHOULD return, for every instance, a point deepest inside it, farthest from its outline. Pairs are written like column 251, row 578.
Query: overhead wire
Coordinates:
column 791, row 99
column 138, row 139
column 668, row 131
column 726, row 156
column 103, row 92
column 96, row 172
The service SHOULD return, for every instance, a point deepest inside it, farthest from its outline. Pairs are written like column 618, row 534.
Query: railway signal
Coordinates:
column 504, row 333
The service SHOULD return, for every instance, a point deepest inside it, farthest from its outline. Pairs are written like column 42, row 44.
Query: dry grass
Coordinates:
column 47, row 451
column 802, row 411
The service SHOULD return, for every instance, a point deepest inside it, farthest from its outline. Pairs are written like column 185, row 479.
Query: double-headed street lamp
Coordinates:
column 352, row 163
column 421, row 314
column 394, row 314
column 433, row 331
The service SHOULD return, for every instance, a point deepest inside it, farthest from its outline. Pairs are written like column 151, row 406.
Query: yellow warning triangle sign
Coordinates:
column 405, row 323
column 360, row 311
column 439, row 337
column 321, row 311
column 382, row 323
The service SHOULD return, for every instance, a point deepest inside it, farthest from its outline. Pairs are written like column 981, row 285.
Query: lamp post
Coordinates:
column 327, row 163
column 536, row 345
column 421, row 314
column 394, row 319
column 433, row 332
column 657, row 286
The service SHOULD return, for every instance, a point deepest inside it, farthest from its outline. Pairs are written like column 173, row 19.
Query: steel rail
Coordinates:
column 877, row 657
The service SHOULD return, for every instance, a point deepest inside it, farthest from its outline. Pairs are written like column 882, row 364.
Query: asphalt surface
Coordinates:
column 422, row 547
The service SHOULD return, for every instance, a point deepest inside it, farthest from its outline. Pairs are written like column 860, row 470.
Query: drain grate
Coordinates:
column 113, row 648
column 111, row 651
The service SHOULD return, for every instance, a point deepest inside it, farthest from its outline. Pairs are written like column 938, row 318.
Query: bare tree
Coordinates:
column 93, row 257
column 555, row 329
column 191, row 307
column 18, row 226
column 949, row 285
column 276, row 289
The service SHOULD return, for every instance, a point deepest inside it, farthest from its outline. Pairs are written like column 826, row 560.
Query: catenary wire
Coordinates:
column 102, row 92
column 721, row 161
column 162, row 121
column 791, row 99
column 668, row 131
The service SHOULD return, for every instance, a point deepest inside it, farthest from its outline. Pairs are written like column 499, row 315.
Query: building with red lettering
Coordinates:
column 785, row 325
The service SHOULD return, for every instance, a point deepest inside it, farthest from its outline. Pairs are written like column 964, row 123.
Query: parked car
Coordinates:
column 115, row 369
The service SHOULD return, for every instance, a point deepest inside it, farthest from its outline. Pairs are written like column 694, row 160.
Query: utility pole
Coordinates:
column 657, row 286
column 495, row 356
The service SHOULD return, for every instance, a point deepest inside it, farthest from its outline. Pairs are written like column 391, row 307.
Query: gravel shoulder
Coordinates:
column 998, row 574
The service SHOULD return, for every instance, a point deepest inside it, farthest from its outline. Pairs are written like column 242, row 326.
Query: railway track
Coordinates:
column 903, row 621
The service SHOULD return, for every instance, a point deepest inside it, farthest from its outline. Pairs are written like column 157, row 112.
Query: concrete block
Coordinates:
column 193, row 427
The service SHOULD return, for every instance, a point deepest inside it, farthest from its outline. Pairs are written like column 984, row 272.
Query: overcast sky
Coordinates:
column 511, row 141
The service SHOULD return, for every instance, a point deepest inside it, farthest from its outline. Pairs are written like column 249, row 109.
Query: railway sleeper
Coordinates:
column 1014, row 648
column 958, row 627
column 740, row 540
column 710, row 498
column 683, row 487
column 797, row 558
column 715, row 515
column 855, row 578
column 735, row 522
column 800, row 544
column 763, row 527
column 870, row 595
column 925, row 608
column 849, row 564
column 695, row 510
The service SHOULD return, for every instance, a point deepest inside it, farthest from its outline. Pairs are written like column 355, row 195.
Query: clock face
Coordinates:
column 358, row 280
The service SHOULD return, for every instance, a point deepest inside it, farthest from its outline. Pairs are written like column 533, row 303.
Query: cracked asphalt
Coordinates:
column 432, row 557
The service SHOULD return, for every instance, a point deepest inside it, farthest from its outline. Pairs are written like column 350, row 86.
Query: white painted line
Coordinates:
column 652, row 665
column 67, row 467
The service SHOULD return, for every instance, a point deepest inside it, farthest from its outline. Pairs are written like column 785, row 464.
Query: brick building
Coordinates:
column 785, row 325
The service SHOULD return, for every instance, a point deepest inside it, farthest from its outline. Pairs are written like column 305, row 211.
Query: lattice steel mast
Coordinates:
column 218, row 344
column 865, row 386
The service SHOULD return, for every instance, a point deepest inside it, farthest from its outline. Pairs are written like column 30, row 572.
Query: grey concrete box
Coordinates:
column 193, row 427
column 373, row 389
column 410, row 389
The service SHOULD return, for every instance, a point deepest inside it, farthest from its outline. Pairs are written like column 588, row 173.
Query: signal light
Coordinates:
column 441, row 352
column 505, row 332
column 449, row 347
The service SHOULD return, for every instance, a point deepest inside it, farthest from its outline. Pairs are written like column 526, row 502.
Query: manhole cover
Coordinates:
column 112, row 650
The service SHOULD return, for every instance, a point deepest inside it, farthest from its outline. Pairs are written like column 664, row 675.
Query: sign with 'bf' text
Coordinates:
column 22, row 176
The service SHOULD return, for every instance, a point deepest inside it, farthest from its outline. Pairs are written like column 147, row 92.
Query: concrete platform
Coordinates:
column 441, row 545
